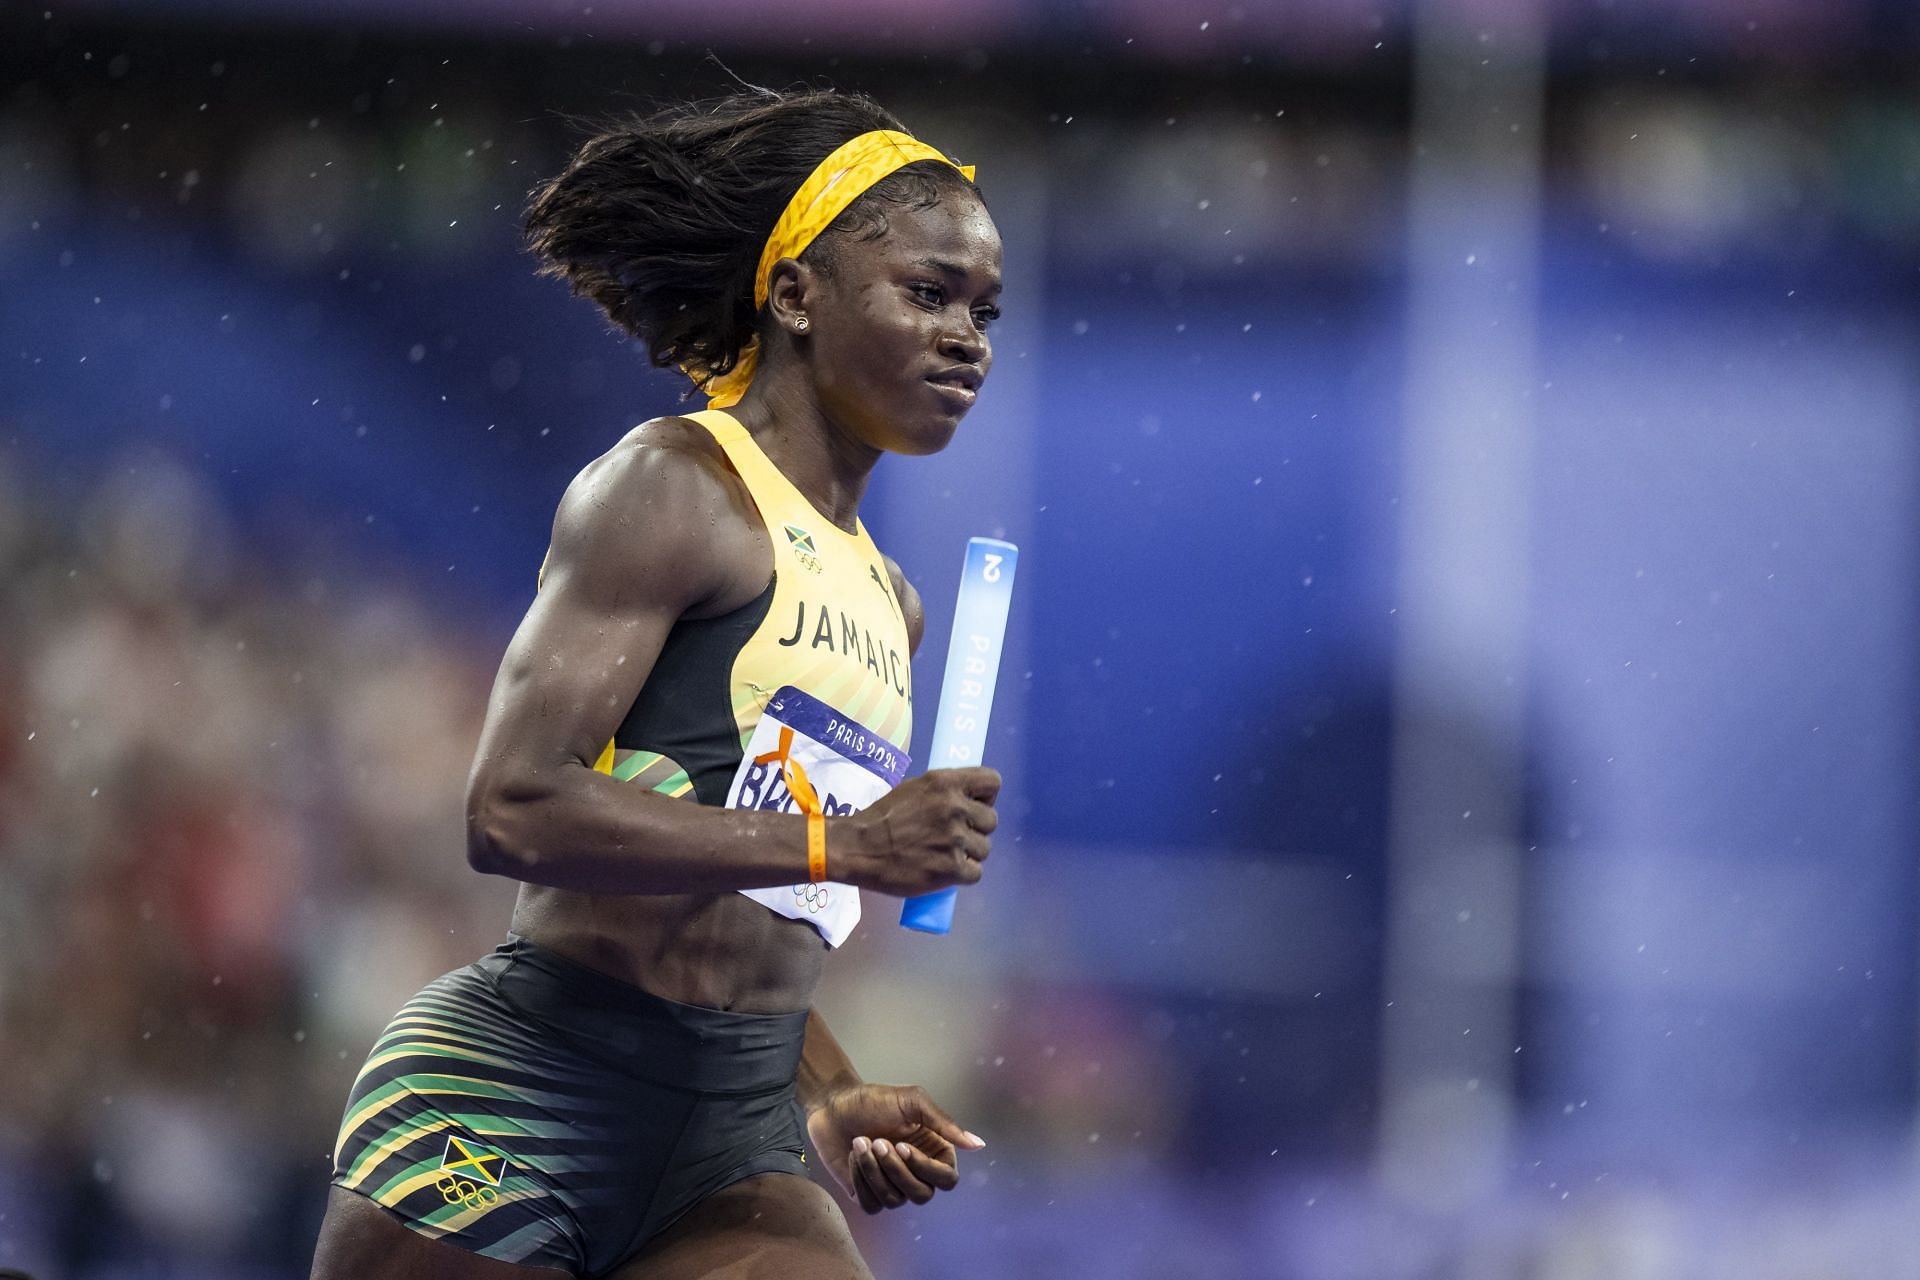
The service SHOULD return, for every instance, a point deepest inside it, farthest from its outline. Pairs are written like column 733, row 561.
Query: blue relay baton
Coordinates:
column 966, row 692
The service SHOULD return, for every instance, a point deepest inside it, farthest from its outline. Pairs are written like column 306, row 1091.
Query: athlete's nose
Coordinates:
column 968, row 346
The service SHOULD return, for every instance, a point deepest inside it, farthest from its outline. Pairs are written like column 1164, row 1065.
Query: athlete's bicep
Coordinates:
column 633, row 550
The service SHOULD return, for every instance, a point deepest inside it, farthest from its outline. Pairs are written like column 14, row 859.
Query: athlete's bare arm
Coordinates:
column 912, row 612
column 656, row 530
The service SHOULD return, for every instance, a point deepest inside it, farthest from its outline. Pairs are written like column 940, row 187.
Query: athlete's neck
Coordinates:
column 824, row 460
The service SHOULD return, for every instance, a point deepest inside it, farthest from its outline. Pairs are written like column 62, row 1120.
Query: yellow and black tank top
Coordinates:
column 829, row 624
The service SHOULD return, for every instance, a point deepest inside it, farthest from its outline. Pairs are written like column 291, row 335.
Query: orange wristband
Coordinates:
column 807, row 799
column 816, row 848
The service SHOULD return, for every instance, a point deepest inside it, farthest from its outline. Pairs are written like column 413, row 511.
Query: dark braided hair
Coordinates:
column 660, row 218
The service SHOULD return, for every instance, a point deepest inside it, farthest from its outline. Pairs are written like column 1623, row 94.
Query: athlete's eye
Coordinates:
column 984, row 316
column 931, row 293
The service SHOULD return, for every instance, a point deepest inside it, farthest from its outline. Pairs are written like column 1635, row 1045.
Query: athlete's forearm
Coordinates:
column 824, row 1065
column 579, row 829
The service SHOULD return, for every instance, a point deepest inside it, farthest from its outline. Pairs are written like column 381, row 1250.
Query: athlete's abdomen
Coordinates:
column 716, row 950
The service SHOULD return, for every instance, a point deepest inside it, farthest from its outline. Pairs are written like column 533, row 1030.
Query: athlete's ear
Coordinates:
column 792, row 287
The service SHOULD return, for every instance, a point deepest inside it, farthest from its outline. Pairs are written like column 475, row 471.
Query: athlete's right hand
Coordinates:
column 928, row 833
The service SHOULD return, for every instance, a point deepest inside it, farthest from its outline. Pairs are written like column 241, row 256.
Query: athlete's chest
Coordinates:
column 863, row 629
column 834, row 627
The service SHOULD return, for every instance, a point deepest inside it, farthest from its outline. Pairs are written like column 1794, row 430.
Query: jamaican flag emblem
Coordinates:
column 465, row 1158
column 802, row 543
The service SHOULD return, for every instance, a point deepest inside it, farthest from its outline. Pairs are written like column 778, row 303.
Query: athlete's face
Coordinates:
column 900, row 344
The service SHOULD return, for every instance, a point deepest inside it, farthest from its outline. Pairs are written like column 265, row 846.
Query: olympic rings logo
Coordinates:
column 459, row 1191
column 811, row 896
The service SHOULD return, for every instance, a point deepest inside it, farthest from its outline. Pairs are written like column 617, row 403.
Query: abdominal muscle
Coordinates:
column 716, row 950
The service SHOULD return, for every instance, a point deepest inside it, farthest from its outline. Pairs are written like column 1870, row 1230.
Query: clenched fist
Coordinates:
column 928, row 833
column 887, row 1144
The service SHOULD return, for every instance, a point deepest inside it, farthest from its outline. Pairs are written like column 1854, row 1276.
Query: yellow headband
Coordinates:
column 835, row 183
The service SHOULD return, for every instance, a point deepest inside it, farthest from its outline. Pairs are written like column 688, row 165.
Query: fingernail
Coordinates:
column 880, row 1146
column 974, row 1138
column 860, row 1146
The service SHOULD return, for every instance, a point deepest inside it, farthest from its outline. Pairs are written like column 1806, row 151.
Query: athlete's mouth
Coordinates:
column 960, row 384
column 964, row 376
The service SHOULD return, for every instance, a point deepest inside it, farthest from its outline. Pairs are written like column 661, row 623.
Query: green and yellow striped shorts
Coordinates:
column 532, row 1110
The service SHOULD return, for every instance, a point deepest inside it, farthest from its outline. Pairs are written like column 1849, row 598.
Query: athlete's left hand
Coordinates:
column 886, row 1144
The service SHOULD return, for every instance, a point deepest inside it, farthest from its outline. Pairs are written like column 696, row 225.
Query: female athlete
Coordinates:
column 692, row 757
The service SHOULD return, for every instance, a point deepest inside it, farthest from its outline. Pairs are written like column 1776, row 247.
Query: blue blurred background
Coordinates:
column 1460, row 712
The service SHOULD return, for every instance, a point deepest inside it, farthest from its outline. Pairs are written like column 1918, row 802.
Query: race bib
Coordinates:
column 848, row 767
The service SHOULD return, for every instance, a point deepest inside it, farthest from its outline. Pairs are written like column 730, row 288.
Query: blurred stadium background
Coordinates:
column 1460, row 722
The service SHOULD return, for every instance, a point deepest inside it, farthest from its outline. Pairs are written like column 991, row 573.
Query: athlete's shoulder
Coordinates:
column 665, row 450
column 663, row 497
column 661, row 468
column 674, row 433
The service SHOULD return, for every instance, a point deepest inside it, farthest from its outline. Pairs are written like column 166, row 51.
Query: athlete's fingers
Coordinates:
column 980, row 783
column 869, row 1203
column 856, row 1184
column 884, row 1192
column 893, row 1164
column 976, row 846
column 935, row 1147
column 920, row 1107
column 862, row 1187
column 890, row 1196
column 977, row 782
column 969, row 872
column 982, row 818
column 940, row 1174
